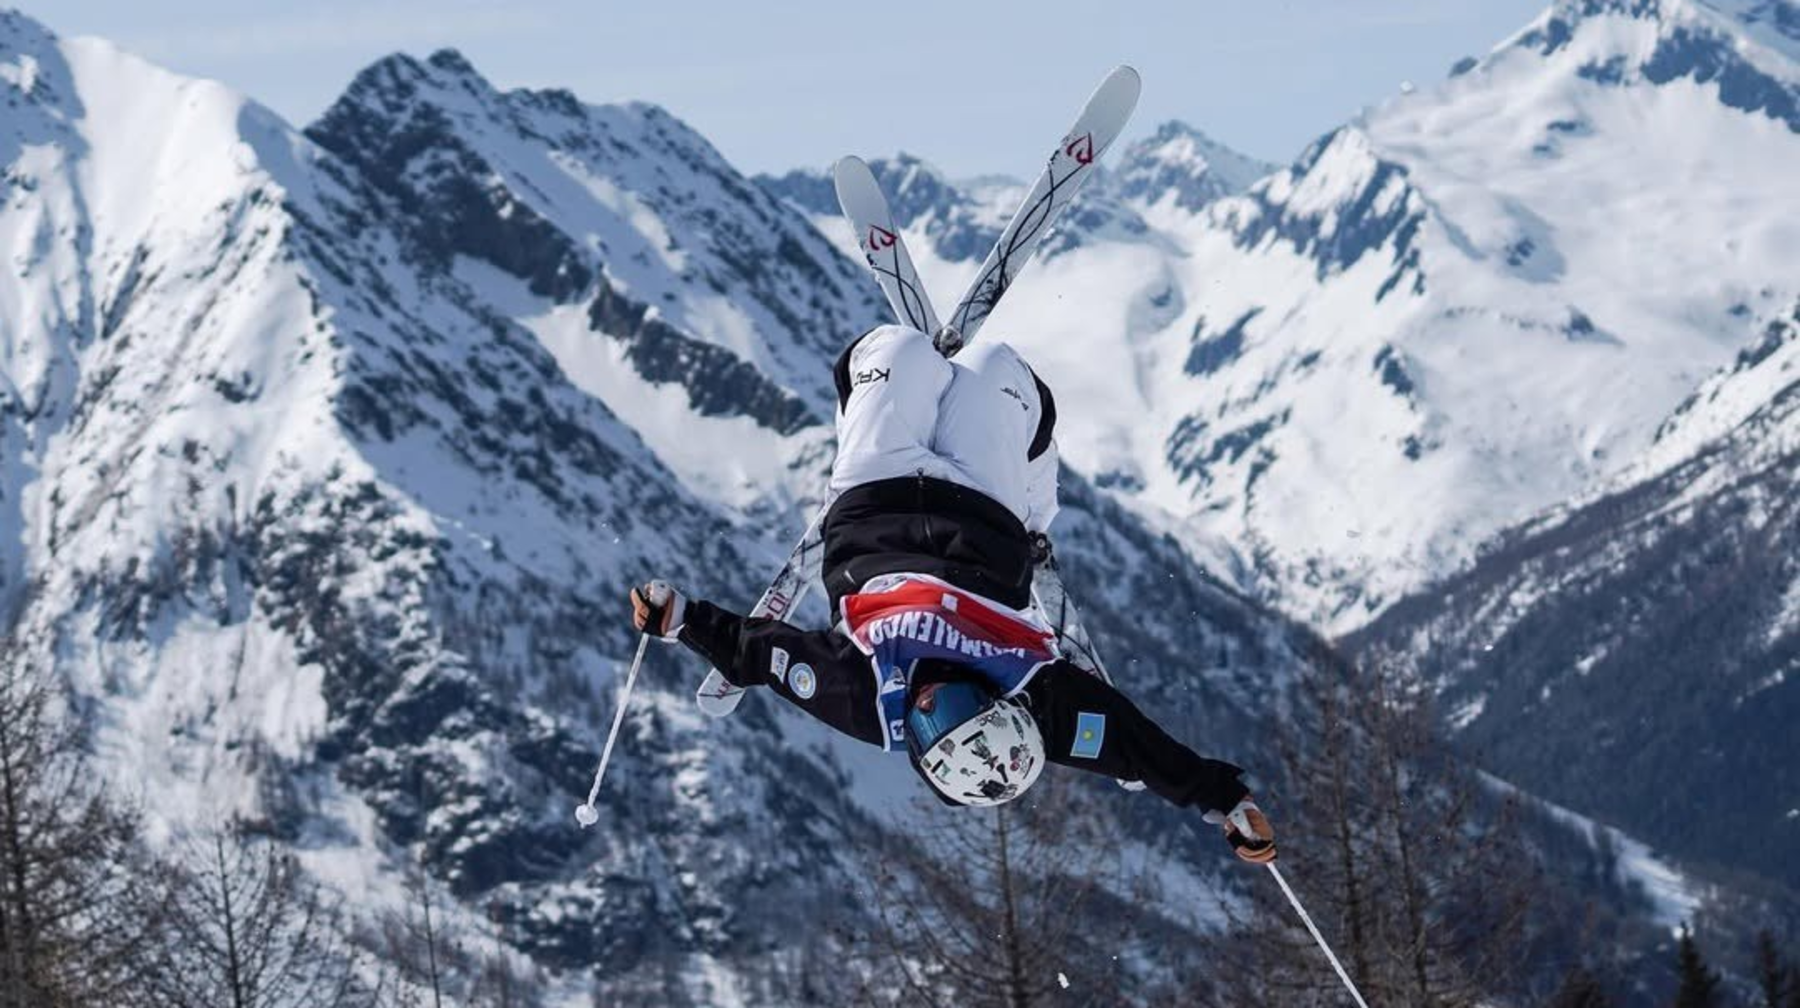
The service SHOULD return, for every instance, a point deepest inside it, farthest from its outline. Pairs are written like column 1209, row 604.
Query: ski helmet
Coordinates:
column 972, row 747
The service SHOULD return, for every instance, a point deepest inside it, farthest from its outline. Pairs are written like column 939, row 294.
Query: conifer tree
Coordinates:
column 1775, row 977
column 1699, row 986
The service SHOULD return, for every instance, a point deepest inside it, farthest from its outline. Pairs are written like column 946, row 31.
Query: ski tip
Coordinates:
column 855, row 183
column 1126, row 81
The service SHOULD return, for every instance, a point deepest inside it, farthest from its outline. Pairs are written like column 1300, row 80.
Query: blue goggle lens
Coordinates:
column 938, row 708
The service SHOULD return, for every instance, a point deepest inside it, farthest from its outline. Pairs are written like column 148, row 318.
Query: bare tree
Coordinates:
column 76, row 904
column 1580, row 989
column 496, row 982
column 1407, row 859
column 412, row 943
column 994, row 907
column 250, row 930
column 434, row 961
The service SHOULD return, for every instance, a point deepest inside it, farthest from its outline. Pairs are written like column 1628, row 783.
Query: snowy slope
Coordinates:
column 1650, row 633
column 1184, row 168
column 329, row 538
column 618, row 235
column 328, row 455
column 322, row 534
column 1472, row 302
column 1479, row 299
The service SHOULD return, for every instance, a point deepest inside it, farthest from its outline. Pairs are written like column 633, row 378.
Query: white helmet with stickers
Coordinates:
column 972, row 748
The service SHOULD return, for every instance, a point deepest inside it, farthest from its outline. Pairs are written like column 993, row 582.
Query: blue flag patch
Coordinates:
column 1090, row 735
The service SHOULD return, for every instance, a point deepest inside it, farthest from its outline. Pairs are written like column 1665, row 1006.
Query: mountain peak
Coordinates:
column 1784, row 15
column 24, row 46
column 1182, row 163
column 915, row 187
column 1176, row 129
column 399, row 81
column 452, row 61
column 16, row 22
column 1746, row 51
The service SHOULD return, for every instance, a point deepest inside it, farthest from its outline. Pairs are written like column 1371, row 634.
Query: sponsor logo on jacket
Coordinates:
column 930, row 628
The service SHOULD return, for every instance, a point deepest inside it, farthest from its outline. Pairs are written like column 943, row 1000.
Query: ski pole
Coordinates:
column 586, row 814
column 1306, row 919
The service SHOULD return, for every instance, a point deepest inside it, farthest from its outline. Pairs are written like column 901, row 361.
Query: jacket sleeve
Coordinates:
column 1091, row 726
column 819, row 671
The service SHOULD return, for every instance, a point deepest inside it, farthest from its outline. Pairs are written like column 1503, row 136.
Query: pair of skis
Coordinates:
column 1071, row 164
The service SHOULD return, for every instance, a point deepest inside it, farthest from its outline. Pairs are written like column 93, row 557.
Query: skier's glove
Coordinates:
column 658, row 609
column 1248, row 831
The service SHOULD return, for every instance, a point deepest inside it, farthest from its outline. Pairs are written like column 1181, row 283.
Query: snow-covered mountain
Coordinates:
column 951, row 221
column 331, row 541
column 1181, row 166
column 1649, row 634
column 1483, row 298
column 328, row 455
column 1555, row 290
column 1469, row 304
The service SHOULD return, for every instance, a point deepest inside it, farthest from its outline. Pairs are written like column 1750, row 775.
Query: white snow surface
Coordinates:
column 1473, row 302
column 319, row 507
column 1652, row 213
column 1674, row 897
column 221, row 469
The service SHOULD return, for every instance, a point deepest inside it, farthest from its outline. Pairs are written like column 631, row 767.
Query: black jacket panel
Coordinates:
column 930, row 526
column 842, row 683
column 843, row 695
column 1130, row 746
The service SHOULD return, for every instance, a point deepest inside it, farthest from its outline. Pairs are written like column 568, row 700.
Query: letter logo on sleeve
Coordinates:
column 1090, row 735
column 778, row 664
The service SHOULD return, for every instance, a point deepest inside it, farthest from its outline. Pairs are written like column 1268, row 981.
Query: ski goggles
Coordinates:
column 937, row 709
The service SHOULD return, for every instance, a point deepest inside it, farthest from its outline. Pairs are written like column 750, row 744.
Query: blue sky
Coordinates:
column 972, row 86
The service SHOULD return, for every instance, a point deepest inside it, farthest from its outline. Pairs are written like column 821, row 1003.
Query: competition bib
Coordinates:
column 899, row 619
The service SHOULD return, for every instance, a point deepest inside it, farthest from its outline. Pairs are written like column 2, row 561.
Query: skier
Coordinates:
column 945, row 481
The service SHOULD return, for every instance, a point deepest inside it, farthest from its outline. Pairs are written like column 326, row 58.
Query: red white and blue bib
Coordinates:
column 899, row 619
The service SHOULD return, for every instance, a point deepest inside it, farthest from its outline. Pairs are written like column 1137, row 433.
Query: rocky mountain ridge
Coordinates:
column 328, row 455
column 1471, row 303
column 328, row 451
